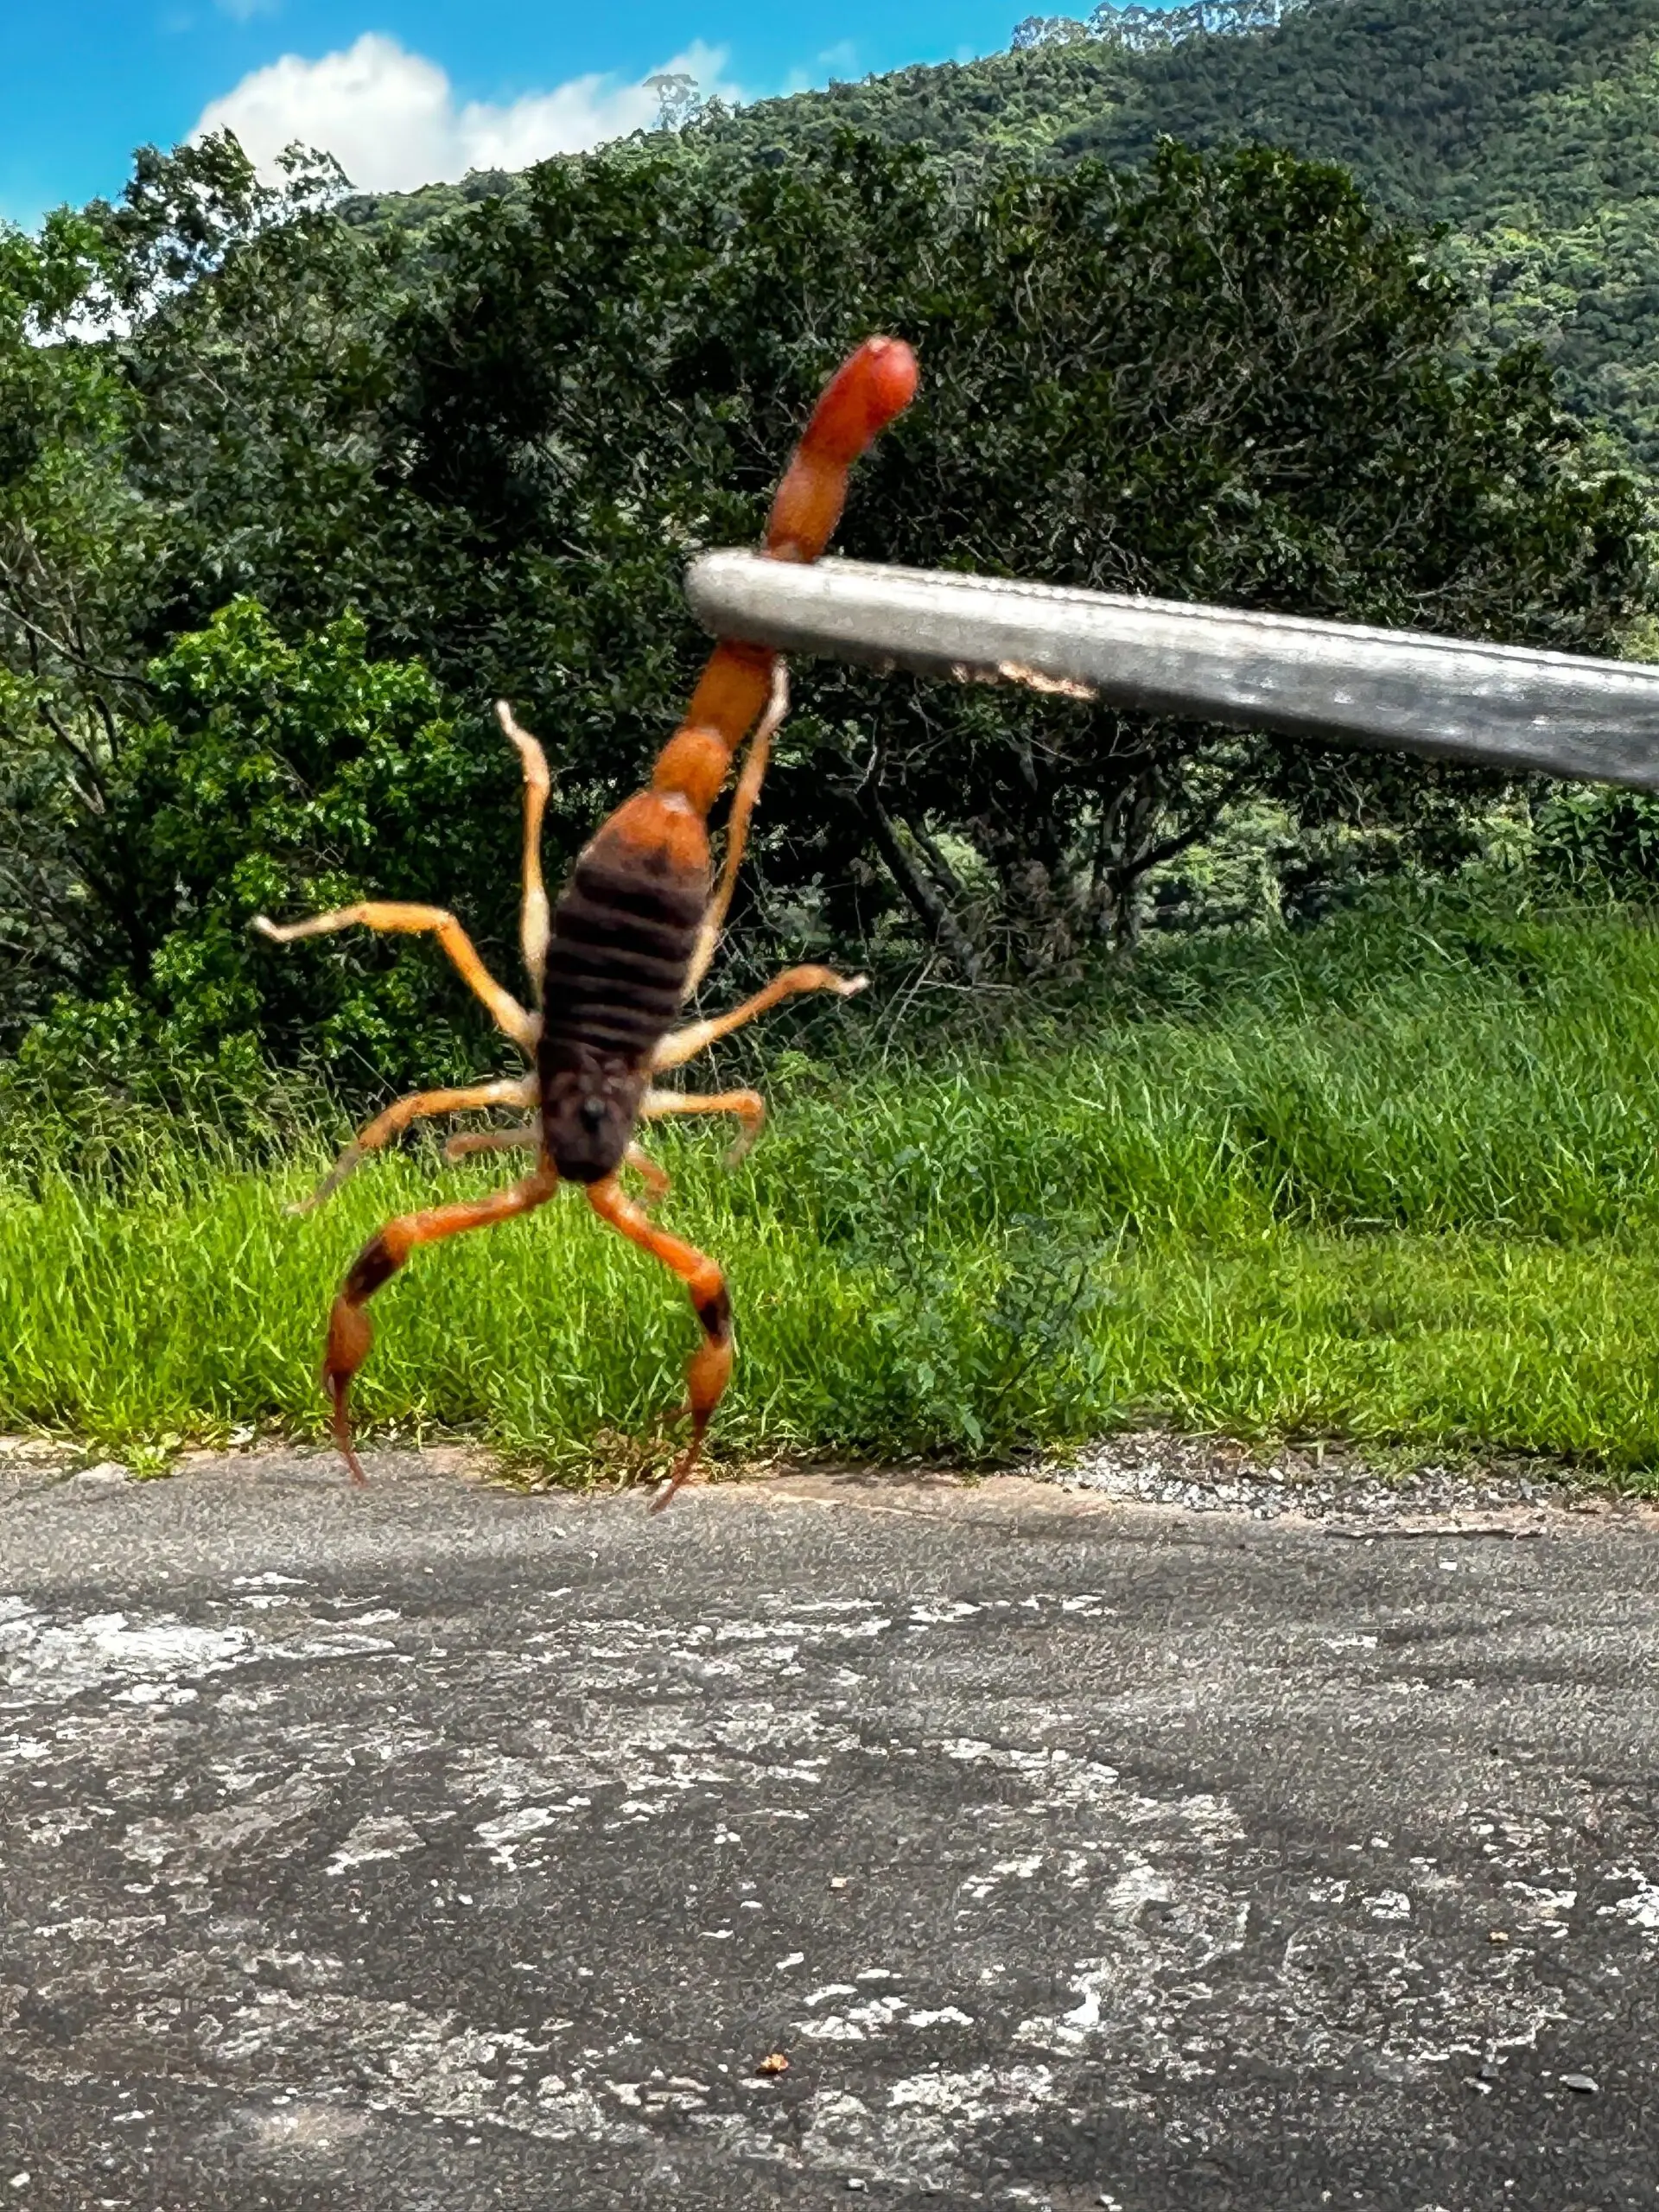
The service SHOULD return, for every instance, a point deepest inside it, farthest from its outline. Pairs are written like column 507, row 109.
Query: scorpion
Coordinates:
column 610, row 965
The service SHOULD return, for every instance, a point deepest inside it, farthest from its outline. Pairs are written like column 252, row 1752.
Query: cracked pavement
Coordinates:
column 437, row 1846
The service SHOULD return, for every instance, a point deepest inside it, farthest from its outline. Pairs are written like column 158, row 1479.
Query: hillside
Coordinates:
column 1531, row 127
column 1465, row 111
column 1036, row 101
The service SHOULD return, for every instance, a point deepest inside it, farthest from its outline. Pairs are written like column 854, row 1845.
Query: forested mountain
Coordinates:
column 1033, row 102
column 1528, row 127
column 1456, row 110
column 1531, row 127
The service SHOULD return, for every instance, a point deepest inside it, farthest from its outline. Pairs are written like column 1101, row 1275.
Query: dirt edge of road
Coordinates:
column 1345, row 1494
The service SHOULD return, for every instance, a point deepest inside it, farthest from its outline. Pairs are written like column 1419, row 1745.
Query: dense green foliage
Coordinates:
column 1452, row 111
column 1025, row 104
column 1166, row 1200
column 272, row 776
column 343, row 486
column 291, row 487
column 1529, row 126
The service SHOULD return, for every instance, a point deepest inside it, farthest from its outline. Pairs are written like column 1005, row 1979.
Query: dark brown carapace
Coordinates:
column 631, row 938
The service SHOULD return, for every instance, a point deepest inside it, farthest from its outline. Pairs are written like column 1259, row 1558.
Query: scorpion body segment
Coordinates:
column 630, row 937
column 623, row 935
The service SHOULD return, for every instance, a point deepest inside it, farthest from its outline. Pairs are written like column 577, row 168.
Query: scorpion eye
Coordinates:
column 591, row 1114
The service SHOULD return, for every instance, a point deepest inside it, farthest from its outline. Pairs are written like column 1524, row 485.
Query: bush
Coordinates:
column 284, row 779
column 1598, row 843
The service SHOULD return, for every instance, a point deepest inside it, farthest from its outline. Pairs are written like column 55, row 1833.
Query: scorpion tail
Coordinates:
column 865, row 394
column 870, row 388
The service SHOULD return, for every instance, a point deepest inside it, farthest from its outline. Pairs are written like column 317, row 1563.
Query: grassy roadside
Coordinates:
column 1394, row 1181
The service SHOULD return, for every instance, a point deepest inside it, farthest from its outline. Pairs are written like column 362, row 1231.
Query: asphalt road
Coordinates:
column 432, row 1847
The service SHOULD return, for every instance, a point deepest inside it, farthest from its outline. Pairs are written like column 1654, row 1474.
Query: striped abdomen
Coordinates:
column 624, row 932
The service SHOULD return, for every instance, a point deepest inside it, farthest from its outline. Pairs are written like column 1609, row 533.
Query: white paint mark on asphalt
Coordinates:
column 301, row 2130
column 47, row 1661
column 1640, row 1907
column 123, row 1928
column 918, row 2139
column 376, row 1836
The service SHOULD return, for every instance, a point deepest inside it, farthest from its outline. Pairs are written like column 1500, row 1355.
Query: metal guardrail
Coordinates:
column 1503, row 705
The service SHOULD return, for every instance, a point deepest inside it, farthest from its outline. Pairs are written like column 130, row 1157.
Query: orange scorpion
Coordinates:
column 631, row 938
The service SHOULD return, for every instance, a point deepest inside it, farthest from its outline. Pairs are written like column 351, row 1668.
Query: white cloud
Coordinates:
column 391, row 118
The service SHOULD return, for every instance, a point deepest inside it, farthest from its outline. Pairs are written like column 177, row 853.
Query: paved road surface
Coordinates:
column 436, row 1847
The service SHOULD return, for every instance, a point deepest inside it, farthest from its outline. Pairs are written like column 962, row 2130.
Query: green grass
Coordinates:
column 1394, row 1180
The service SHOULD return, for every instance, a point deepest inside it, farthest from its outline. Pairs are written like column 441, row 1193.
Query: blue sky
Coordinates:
column 405, row 87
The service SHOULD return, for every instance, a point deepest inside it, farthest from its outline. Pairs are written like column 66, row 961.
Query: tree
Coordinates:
column 1220, row 379
column 678, row 98
column 287, row 778
column 74, row 542
column 160, row 418
column 490, row 446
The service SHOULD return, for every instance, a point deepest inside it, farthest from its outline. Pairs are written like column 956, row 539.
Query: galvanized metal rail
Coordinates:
column 1503, row 705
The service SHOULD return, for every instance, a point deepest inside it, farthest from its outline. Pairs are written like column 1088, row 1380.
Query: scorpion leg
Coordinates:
column 535, row 925
column 710, row 1365
column 737, row 828
column 397, row 918
column 656, row 1182
column 683, row 1044
column 525, row 1138
column 748, row 1105
column 420, row 1105
column 350, row 1330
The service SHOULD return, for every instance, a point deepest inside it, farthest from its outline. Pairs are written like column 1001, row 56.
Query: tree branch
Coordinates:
column 946, row 930
column 93, row 802
column 15, row 613
column 943, row 874
column 1172, row 848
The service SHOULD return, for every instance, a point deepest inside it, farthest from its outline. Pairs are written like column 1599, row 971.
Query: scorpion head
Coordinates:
column 589, row 1100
